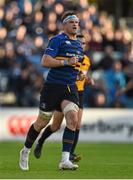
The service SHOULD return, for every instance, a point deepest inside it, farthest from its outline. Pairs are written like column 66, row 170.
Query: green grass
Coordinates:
column 100, row 161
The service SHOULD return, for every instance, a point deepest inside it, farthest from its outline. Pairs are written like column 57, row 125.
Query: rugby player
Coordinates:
column 58, row 116
column 59, row 91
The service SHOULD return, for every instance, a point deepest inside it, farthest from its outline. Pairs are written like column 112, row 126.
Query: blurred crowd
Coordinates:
column 25, row 28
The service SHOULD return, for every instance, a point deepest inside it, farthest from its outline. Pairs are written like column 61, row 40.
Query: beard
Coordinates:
column 73, row 32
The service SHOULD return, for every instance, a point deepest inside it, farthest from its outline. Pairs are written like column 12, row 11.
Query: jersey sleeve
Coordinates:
column 53, row 47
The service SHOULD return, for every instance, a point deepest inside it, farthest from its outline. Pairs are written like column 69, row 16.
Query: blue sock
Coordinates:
column 68, row 139
column 75, row 141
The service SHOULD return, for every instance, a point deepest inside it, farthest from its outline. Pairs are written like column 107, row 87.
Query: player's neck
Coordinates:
column 71, row 36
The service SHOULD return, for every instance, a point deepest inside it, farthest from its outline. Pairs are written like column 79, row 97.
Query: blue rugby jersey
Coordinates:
column 61, row 47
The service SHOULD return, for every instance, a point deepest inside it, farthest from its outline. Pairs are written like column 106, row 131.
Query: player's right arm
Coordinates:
column 49, row 60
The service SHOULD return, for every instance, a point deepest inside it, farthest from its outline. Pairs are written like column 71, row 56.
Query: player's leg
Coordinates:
column 70, row 111
column 73, row 156
column 43, row 119
column 50, row 129
column 33, row 133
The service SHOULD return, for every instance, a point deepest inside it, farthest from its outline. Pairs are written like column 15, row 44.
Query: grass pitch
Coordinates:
column 100, row 161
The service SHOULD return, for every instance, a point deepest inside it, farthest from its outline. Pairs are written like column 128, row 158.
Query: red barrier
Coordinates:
column 19, row 125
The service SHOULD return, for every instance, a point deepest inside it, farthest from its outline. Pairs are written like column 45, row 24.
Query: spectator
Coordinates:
column 26, row 26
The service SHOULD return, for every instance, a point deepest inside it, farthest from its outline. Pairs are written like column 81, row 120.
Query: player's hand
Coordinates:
column 72, row 61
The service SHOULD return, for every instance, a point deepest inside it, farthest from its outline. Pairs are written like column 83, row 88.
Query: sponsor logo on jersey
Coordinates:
column 67, row 42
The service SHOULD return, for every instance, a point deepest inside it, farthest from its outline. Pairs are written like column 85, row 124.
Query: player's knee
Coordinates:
column 42, row 120
column 45, row 116
column 72, row 120
column 70, row 108
column 71, row 113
